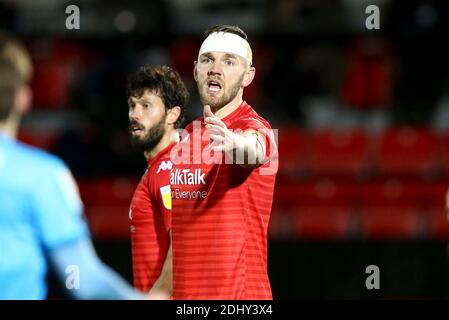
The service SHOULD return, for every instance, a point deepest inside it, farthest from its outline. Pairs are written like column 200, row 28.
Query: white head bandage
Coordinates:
column 227, row 42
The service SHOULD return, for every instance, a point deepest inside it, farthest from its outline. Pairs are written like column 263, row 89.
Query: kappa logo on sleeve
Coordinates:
column 165, row 165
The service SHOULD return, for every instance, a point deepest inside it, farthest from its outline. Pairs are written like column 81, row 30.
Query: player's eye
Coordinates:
column 146, row 105
column 229, row 63
column 206, row 60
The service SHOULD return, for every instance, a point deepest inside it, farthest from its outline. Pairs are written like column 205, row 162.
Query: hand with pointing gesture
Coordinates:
column 222, row 139
column 245, row 148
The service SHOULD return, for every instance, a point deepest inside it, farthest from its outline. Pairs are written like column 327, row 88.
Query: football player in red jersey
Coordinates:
column 156, row 98
column 221, row 208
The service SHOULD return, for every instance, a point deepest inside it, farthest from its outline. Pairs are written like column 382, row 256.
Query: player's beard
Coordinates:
column 219, row 102
column 150, row 139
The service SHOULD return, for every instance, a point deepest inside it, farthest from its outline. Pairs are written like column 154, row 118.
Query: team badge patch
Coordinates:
column 166, row 196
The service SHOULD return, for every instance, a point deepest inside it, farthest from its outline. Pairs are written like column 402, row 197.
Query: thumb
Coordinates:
column 207, row 112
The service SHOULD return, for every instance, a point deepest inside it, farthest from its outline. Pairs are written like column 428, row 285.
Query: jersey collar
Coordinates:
column 161, row 153
column 234, row 114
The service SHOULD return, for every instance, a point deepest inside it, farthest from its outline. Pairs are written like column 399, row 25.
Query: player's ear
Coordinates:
column 195, row 73
column 22, row 102
column 249, row 76
column 173, row 115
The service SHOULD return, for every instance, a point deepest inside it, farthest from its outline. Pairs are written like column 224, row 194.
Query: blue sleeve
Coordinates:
column 57, row 206
column 85, row 277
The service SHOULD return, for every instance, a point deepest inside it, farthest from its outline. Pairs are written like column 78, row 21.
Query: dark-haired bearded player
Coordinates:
column 156, row 98
column 221, row 208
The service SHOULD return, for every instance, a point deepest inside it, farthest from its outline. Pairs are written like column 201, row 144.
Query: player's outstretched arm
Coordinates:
column 96, row 280
column 163, row 287
column 246, row 148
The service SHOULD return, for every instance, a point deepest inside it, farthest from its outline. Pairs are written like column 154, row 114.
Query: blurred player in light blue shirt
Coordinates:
column 41, row 217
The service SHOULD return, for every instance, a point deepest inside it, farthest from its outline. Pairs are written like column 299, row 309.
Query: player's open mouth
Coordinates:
column 213, row 86
column 135, row 129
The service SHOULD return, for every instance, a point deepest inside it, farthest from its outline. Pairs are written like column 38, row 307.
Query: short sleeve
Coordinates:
column 162, row 191
column 165, row 194
column 262, row 127
column 58, row 207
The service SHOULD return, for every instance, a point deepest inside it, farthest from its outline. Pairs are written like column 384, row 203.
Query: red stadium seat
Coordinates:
column 367, row 82
column 324, row 191
column 108, row 222
column 391, row 222
column 443, row 154
column 390, row 191
column 438, row 221
column 108, row 191
column 338, row 152
column 322, row 222
column 106, row 204
column 56, row 67
column 182, row 54
column 406, row 151
column 292, row 146
column 281, row 224
column 50, row 84
column 39, row 139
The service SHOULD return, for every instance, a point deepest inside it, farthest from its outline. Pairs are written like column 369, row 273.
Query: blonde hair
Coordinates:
column 13, row 52
column 16, row 70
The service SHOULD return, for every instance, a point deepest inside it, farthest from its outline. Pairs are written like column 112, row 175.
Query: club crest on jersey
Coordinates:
column 165, row 165
column 185, row 176
column 166, row 196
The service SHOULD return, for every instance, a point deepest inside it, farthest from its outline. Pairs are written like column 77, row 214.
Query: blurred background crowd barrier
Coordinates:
column 363, row 120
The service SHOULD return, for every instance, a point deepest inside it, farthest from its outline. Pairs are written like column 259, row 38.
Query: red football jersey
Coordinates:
column 150, row 219
column 220, row 218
